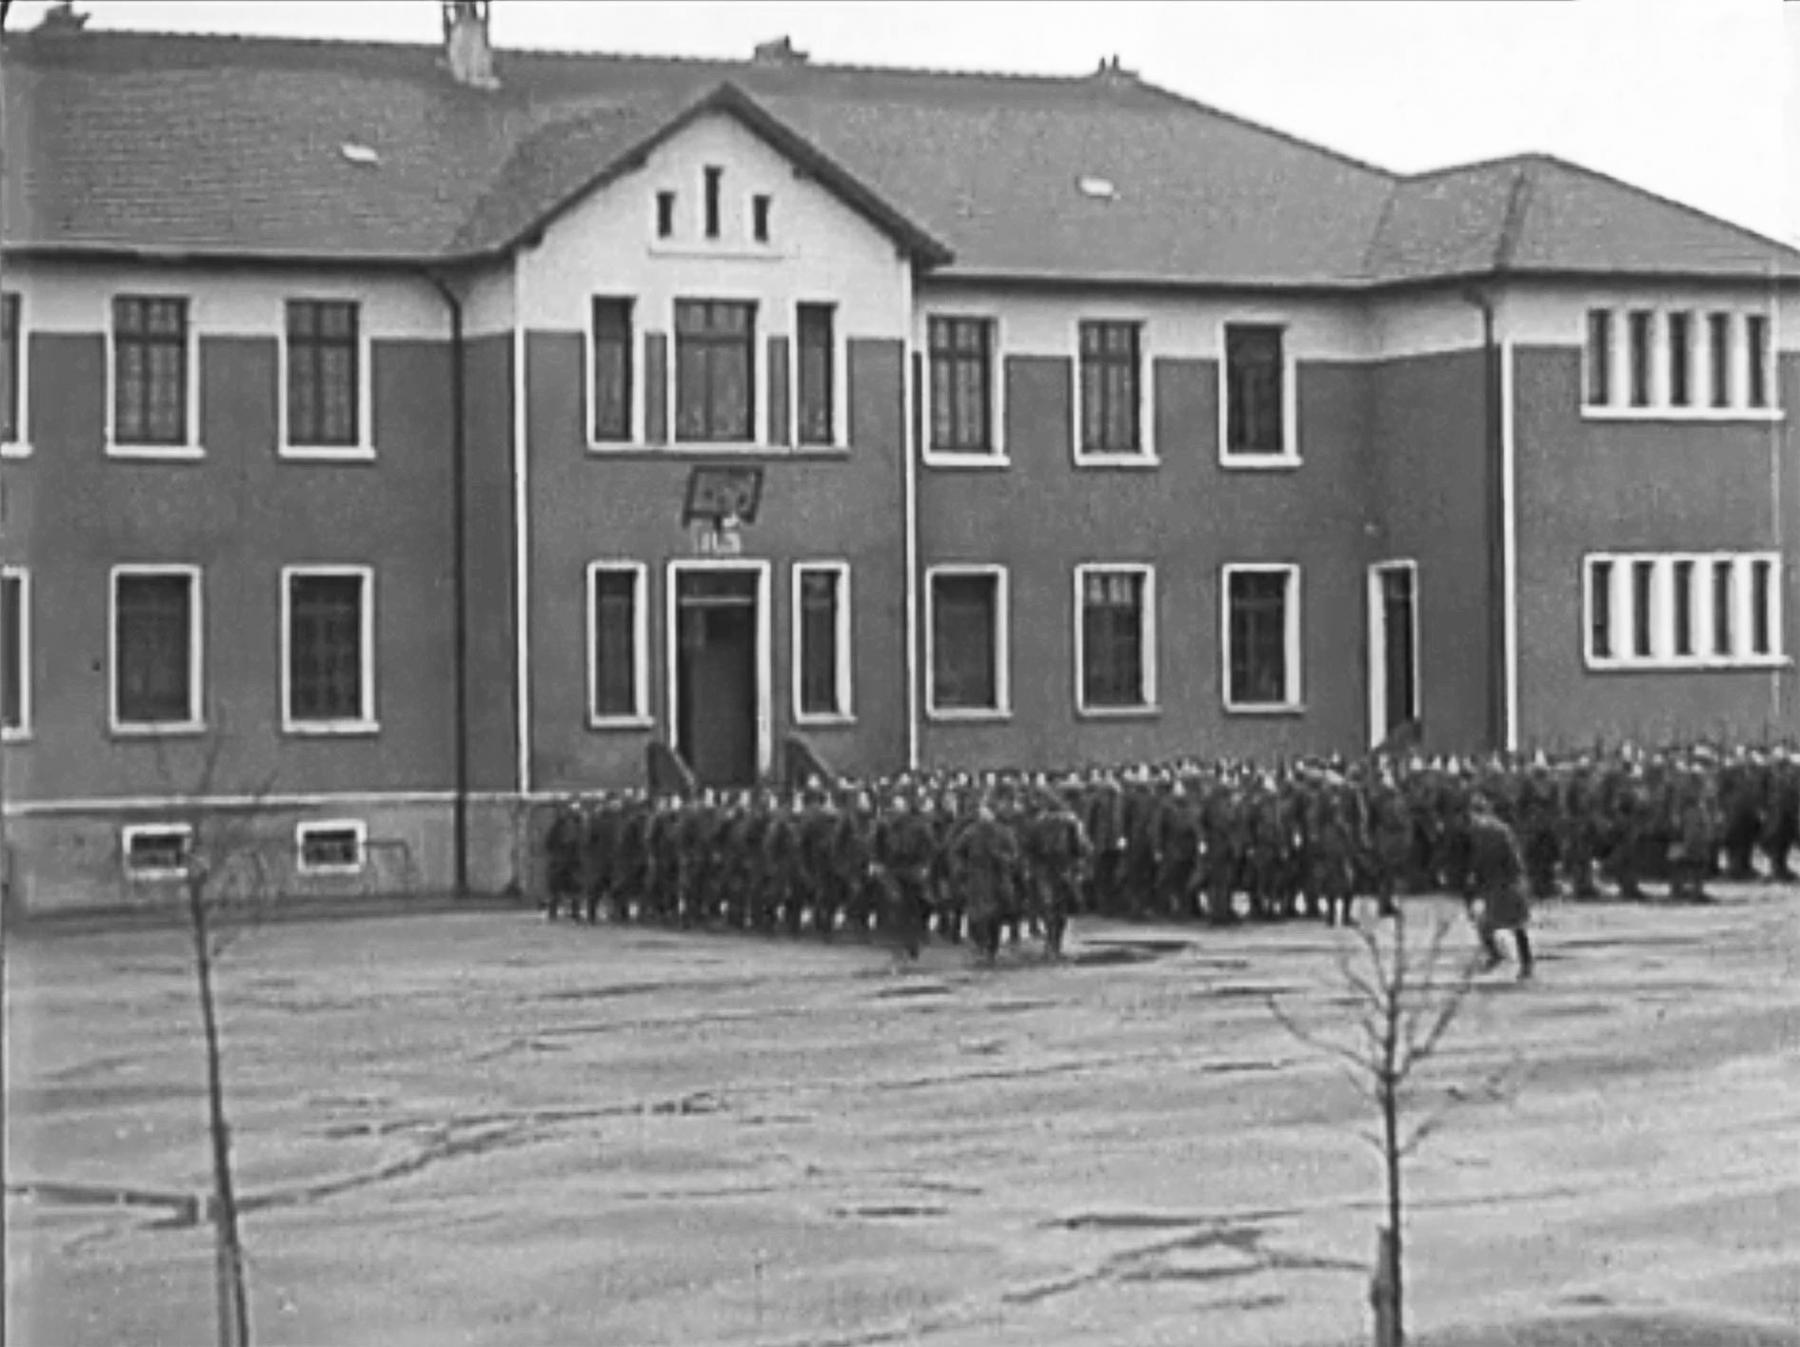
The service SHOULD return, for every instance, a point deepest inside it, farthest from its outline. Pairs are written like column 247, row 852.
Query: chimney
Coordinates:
column 1113, row 71
column 467, row 54
column 61, row 18
column 779, row 52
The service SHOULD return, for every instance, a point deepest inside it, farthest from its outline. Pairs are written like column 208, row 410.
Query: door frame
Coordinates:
column 765, row 622
column 1375, row 628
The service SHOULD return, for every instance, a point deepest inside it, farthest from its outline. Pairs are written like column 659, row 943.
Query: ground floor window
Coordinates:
column 157, row 851
column 1115, row 639
column 618, row 643
column 15, row 652
column 1262, row 637
column 328, row 656
column 821, row 640
column 330, row 848
column 967, row 628
column 1673, row 610
column 156, row 647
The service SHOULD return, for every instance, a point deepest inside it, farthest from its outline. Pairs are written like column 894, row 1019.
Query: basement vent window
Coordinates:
column 359, row 154
column 330, row 848
column 158, row 852
column 1099, row 189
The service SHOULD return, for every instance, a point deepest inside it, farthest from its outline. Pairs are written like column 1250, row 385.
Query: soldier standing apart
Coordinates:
column 1496, row 875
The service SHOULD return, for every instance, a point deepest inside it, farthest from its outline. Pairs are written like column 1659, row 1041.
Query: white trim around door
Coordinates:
column 765, row 717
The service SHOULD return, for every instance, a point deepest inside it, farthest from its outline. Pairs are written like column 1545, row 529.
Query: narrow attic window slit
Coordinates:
column 1100, row 189
column 665, row 215
column 358, row 153
column 713, row 177
column 759, row 217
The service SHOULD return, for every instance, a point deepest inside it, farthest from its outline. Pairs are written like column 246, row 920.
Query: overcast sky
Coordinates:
column 1696, row 99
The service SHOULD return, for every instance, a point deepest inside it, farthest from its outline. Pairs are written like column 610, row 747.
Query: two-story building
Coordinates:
column 376, row 422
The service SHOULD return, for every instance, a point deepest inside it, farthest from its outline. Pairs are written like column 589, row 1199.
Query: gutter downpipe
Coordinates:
column 1493, row 437
column 908, row 435
column 459, row 582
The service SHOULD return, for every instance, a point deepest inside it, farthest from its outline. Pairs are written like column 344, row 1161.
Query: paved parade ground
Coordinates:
column 483, row 1128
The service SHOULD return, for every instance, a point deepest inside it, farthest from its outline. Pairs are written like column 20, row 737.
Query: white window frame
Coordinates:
column 1292, row 701
column 1146, row 455
column 1700, row 365
column 638, row 439
column 130, row 835
column 369, row 722
column 1147, row 639
column 304, row 831
column 639, row 716
column 21, row 447
column 193, row 448
column 760, row 308
column 998, row 457
column 846, row 683
column 363, row 451
column 21, row 732
column 1289, row 458
column 1662, row 655
column 1002, row 709
column 196, row 720
column 840, row 380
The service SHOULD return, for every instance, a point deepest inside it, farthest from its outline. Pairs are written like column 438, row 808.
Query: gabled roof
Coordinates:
column 236, row 146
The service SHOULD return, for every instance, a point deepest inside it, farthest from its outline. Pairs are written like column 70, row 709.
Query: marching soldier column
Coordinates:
column 959, row 855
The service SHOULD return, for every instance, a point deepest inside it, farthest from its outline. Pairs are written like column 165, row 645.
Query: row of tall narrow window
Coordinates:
column 1679, row 360
column 1669, row 609
column 968, row 640
column 156, row 640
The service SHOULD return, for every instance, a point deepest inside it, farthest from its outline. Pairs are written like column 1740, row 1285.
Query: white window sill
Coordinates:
column 1687, row 415
column 326, row 453
column 1265, row 708
column 158, row 730
column 822, row 721
column 937, row 459
column 718, row 250
column 156, row 453
column 1137, row 459
column 1260, row 462
column 156, row 876
column 326, row 729
column 328, row 871
column 15, row 449
column 970, row 715
column 620, row 723
column 1705, row 664
column 709, row 448
column 1141, row 711
column 19, row 734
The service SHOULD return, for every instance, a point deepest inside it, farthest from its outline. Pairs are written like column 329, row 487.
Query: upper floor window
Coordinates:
column 12, row 370
column 715, row 371
column 1678, row 363
column 1262, row 638
column 1111, row 389
column 324, row 375
column 150, row 372
column 714, row 177
column 1115, row 641
column 613, row 344
column 328, row 656
column 15, row 653
column 962, row 385
column 157, row 648
column 1658, row 610
column 818, row 360
column 1256, row 394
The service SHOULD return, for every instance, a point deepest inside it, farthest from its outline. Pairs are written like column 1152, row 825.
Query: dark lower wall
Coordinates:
column 489, row 547
column 1586, row 486
column 241, row 513
column 1431, row 476
column 1188, row 516
column 844, row 506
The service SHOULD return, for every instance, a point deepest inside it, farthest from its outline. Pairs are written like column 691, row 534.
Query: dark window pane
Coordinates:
column 1683, row 599
column 1640, row 357
column 1719, row 344
column 1643, row 577
column 965, row 655
column 1680, row 341
column 1254, row 421
column 817, row 355
column 759, row 218
column 713, row 178
column 1724, row 596
column 325, row 648
column 715, row 370
column 13, row 668
column 150, row 372
column 615, row 644
column 962, row 389
column 1756, row 337
column 1112, row 639
column 1258, row 627
column 330, row 849
column 612, row 370
column 1109, row 388
column 1762, row 608
column 163, row 851
column 819, row 599
column 1599, row 358
column 11, row 369
column 153, row 649
column 665, row 214
column 323, row 382
column 1600, row 575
